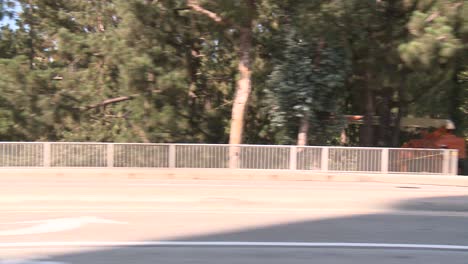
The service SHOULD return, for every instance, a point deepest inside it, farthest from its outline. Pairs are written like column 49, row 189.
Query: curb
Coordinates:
column 225, row 174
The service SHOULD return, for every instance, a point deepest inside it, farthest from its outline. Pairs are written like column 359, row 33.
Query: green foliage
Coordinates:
column 463, row 108
column 307, row 82
column 431, row 52
column 172, row 72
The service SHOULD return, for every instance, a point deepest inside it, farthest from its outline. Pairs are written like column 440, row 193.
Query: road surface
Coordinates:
column 68, row 220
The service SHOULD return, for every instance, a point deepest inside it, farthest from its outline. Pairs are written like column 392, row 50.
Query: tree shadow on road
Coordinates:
column 436, row 220
column 436, row 204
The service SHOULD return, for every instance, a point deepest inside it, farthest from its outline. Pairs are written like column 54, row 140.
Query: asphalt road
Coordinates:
column 59, row 220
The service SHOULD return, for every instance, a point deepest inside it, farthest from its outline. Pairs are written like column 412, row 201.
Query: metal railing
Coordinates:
column 312, row 158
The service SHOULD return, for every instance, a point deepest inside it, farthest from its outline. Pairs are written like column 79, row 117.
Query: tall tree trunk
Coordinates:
column 242, row 94
column 343, row 137
column 303, row 131
column 243, row 86
column 456, row 98
column 401, row 113
column 384, row 139
column 31, row 35
column 367, row 136
column 304, row 124
column 193, row 64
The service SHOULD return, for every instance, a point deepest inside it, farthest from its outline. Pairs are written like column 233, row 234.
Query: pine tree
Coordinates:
column 433, row 53
column 306, row 84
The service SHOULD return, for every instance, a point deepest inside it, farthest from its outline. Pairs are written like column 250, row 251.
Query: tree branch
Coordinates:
column 108, row 102
column 432, row 17
column 195, row 5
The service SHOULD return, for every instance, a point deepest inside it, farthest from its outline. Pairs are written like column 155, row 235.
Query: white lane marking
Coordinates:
column 246, row 186
column 119, row 184
column 115, row 199
column 423, row 188
column 229, row 244
column 54, row 225
column 95, row 210
column 249, row 185
column 175, row 211
column 29, row 262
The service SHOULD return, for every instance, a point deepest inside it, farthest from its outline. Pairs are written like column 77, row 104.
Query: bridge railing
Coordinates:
column 312, row 158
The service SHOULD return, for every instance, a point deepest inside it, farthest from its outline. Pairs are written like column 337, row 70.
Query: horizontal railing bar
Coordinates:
column 221, row 145
column 188, row 168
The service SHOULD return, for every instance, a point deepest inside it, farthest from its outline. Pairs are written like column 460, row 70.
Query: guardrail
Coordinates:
column 313, row 158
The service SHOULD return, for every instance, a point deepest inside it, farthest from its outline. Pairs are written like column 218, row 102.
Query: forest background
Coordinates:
column 240, row 71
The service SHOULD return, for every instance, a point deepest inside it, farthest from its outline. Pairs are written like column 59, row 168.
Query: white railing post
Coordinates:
column 172, row 156
column 453, row 162
column 293, row 158
column 446, row 161
column 384, row 160
column 110, row 155
column 324, row 159
column 234, row 156
column 46, row 148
